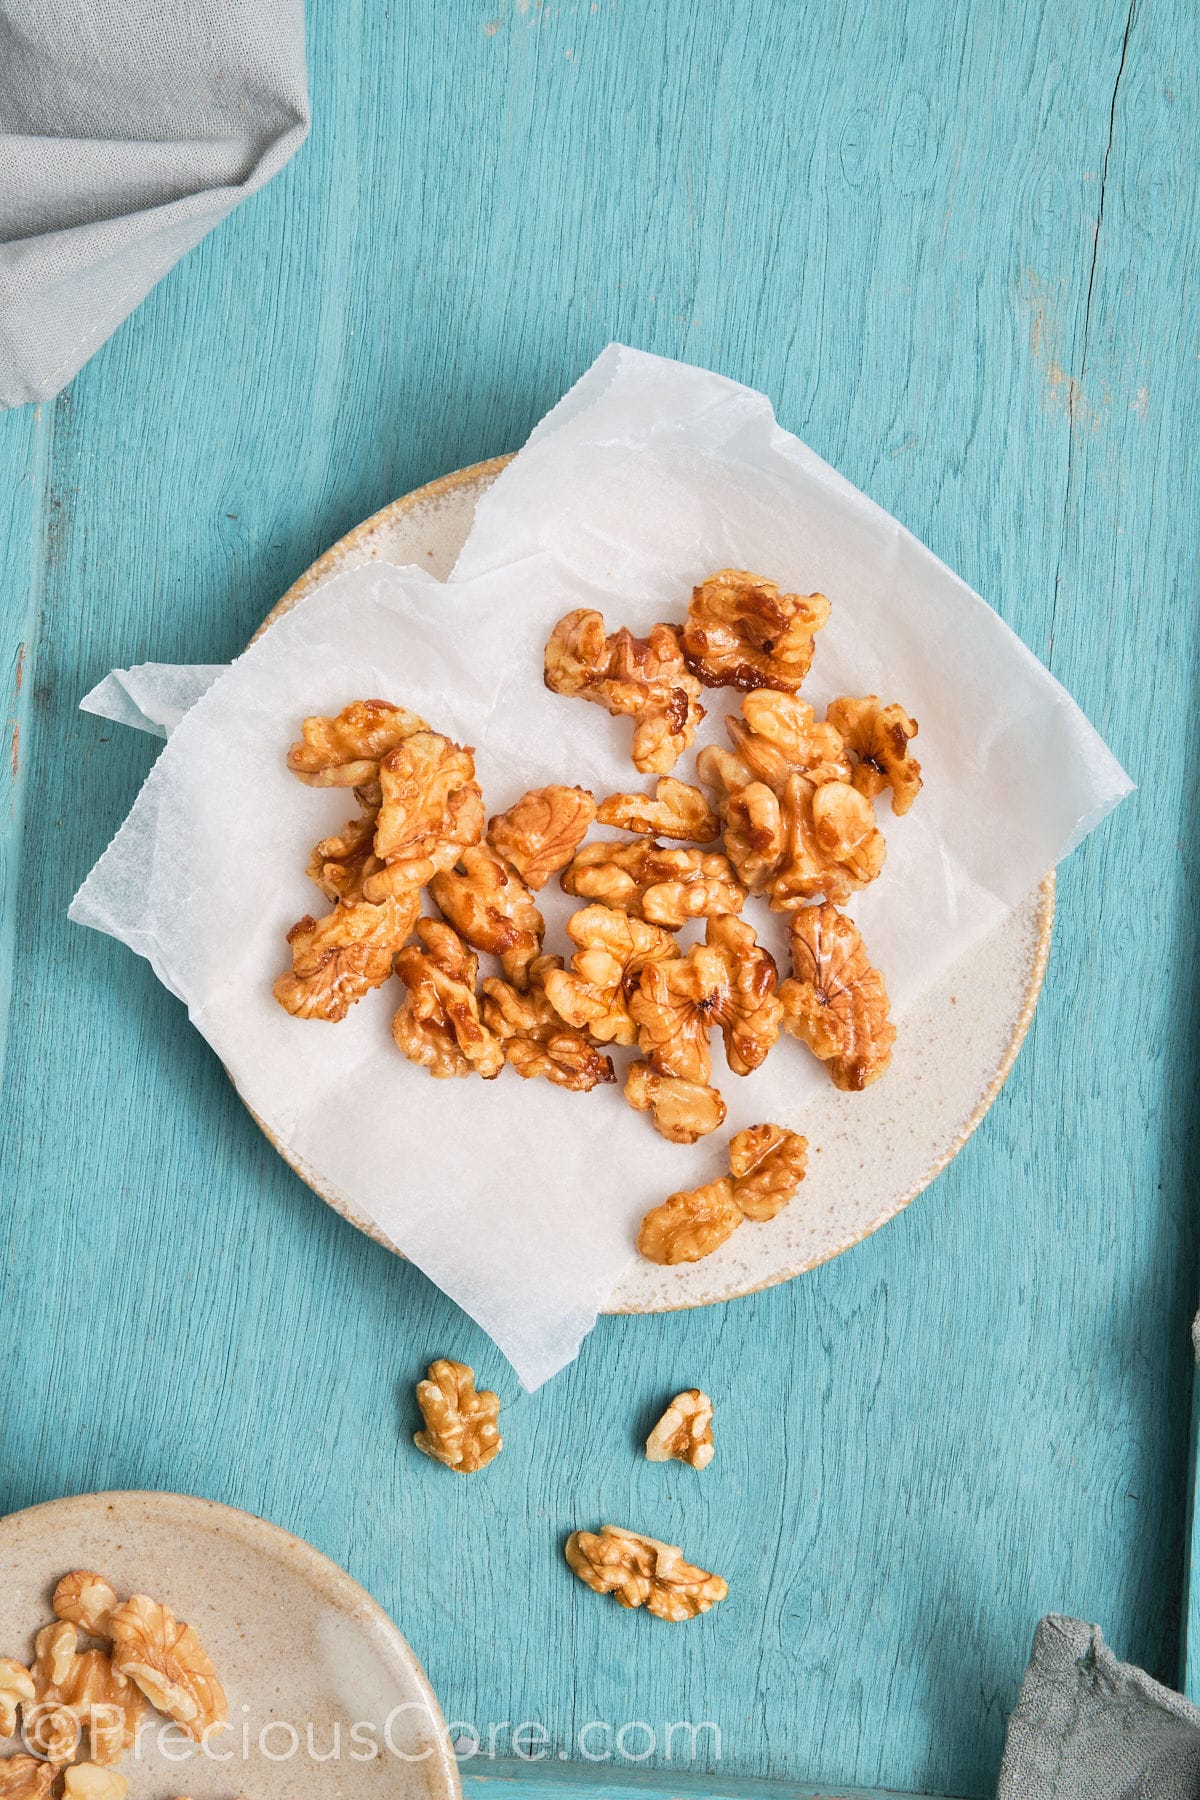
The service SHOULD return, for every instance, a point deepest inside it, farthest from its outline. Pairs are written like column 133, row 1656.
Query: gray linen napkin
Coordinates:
column 1087, row 1727
column 126, row 133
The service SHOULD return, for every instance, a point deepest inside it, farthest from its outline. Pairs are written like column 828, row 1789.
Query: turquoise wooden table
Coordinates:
column 956, row 244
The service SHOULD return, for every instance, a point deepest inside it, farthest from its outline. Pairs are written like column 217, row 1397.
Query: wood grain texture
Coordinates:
column 955, row 244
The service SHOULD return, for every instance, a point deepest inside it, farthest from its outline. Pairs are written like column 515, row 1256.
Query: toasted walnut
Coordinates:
column 338, row 959
column 837, row 1002
column 667, row 887
column 27, row 1778
column 76, row 1688
column 90, row 1781
column 645, row 679
column 541, row 833
column 460, row 1425
column 677, row 811
column 594, row 994
column 728, row 981
column 767, row 1164
column 489, row 905
column 690, row 1225
column 535, row 1038
column 346, row 751
column 438, row 1023
column 742, row 632
column 684, row 1433
column 682, row 1111
column 341, row 863
column 167, row 1661
column 879, row 737
column 640, row 1571
column 430, row 809
column 86, row 1600
column 16, row 1689
column 778, row 735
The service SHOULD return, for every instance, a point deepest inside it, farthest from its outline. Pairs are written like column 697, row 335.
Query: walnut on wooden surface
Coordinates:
column 489, row 906
column 16, row 1690
column 438, row 1023
column 677, row 810
column 878, row 736
column 85, row 1599
column 338, row 959
column 742, row 632
column 691, row 1224
column 27, row 1778
column 536, row 1039
column 649, row 881
column 767, row 1164
column 76, row 1688
column 164, row 1657
column 684, row 1433
column 641, row 1571
column 728, row 981
column 836, row 1001
column 342, row 862
column 681, row 1111
column 430, row 810
column 613, row 948
column 541, row 832
column 346, row 751
column 460, row 1424
column 645, row 679
column 93, row 1781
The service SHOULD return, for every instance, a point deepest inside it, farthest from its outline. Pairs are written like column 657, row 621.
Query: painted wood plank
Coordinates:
column 532, row 1781
column 954, row 245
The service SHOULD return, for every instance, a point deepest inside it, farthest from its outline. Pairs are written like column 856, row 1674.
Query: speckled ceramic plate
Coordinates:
column 870, row 1153
column 305, row 1655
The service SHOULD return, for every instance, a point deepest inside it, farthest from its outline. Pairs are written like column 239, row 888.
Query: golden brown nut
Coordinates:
column 678, row 810
column 728, row 981
column 684, row 1433
column 742, row 632
column 460, row 1425
column 341, row 863
column 778, row 735
column 767, row 1164
column 430, row 809
column 648, row 881
column 879, row 738
column 338, row 959
column 837, row 1003
column 682, row 1111
column 27, row 1778
column 85, row 1599
column 594, row 994
column 16, row 1690
column 489, row 905
column 92, row 1781
column 690, row 1225
column 748, row 1011
column 536, row 1040
column 541, row 833
column 76, row 1688
column 640, row 1571
column 163, row 1656
column 346, row 751
column 645, row 679
column 438, row 1023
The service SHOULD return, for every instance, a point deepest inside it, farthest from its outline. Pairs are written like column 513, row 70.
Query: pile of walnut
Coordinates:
column 137, row 1651
column 792, row 805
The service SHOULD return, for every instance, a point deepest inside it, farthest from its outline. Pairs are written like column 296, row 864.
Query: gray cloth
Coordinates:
column 1087, row 1727
column 127, row 131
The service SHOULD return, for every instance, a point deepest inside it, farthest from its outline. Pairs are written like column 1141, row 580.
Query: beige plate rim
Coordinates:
column 472, row 475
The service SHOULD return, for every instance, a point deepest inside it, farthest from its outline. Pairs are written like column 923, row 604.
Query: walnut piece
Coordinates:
column 684, row 1433
column 879, row 736
column 341, row 863
column 346, row 751
column 649, row 881
column 76, row 1688
column 594, row 994
column 742, row 632
column 438, row 1023
column 641, row 1571
column 690, row 1225
column 85, row 1599
column 338, row 959
column 681, row 1111
column 541, row 833
column 91, row 1781
column 460, row 1425
column 837, row 1002
column 645, row 679
column 489, row 905
column 16, row 1689
column 678, row 810
column 728, row 981
column 430, row 809
column 27, row 1778
column 778, row 735
column 767, row 1163
column 535, row 1038
column 167, row 1661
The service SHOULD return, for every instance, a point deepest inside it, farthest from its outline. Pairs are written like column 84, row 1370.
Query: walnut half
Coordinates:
column 836, row 1001
column 684, row 1433
column 645, row 679
column 460, row 1424
column 742, row 632
column 27, row 1778
column 164, row 1657
column 766, row 1166
column 16, row 1690
column 641, row 1571
column 678, row 810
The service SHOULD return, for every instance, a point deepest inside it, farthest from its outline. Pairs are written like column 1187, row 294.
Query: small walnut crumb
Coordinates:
column 16, row 1689
column 684, row 1433
column 648, row 881
column 489, row 905
column 641, row 1571
column 91, row 1781
column 338, row 959
column 438, row 1023
column 767, row 1164
column 27, row 1778
column 541, row 833
column 677, row 811
column 460, row 1424
column 837, row 1002
column 645, row 679
column 690, row 1225
column 878, row 737
column 681, row 1111
column 535, row 1038
column 345, row 751
column 86, row 1600
column 742, row 632
column 163, row 1656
